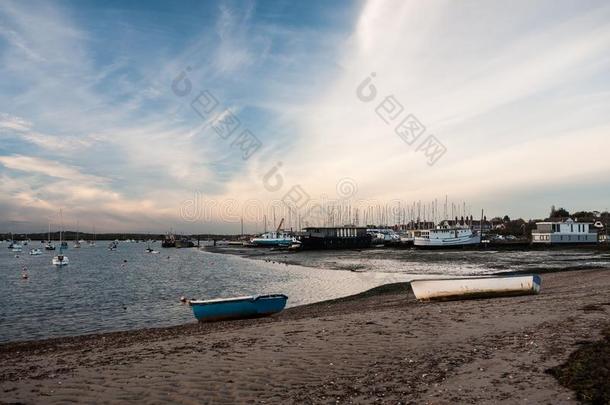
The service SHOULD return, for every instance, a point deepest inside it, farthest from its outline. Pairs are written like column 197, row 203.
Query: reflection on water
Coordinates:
column 104, row 291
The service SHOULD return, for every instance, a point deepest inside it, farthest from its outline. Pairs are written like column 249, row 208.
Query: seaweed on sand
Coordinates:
column 587, row 371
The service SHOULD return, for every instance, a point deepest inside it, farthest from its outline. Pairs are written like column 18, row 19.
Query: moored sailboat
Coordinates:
column 76, row 241
column 61, row 259
column 92, row 242
column 49, row 245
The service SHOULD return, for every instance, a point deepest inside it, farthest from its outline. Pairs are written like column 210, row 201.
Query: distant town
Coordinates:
column 559, row 227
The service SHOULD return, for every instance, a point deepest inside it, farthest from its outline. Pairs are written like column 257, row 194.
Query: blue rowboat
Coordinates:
column 238, row 307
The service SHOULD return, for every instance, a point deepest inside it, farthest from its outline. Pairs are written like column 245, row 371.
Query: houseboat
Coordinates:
column 568, row 232
column 344, row 237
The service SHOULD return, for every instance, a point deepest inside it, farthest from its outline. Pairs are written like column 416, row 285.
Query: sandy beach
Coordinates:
column 381, row 346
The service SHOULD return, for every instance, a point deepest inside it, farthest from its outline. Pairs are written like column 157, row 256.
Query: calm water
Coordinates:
column 99, row 292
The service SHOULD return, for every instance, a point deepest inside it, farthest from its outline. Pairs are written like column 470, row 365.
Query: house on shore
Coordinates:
column 564, row 232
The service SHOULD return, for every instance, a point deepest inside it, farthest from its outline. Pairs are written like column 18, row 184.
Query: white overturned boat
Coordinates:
column 475, row 287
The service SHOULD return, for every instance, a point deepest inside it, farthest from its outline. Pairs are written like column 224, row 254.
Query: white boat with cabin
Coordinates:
column 446, row 236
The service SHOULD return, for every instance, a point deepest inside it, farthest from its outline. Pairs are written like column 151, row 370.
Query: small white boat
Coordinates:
column 151, row 250
column 60, row 260
column 17, row 248
column 35, row 252
column 475, row 287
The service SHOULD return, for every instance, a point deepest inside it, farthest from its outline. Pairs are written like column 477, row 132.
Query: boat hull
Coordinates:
column 271, row 242
column 238, row 308
column 475, row 287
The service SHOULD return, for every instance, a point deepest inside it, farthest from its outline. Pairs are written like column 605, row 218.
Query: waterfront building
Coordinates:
column 564, row 232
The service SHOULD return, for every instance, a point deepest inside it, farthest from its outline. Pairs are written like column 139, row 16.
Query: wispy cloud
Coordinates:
column 514, row 92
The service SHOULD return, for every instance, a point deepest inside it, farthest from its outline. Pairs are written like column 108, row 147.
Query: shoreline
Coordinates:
column 380, row 345
column 315, row 258
column 196, row 327
column 121, row 336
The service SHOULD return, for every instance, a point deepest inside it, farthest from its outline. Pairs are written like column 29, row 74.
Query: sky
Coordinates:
column 149, row 116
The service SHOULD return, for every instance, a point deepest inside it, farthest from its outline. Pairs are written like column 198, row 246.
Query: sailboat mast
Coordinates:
column 61, row 231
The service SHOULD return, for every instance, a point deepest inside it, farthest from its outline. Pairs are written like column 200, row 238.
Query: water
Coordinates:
column 99, row 292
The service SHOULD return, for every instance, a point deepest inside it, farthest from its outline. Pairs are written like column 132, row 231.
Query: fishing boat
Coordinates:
column 238, row 307
column 446, row 236
column 475, row 287
column 35, row 252
column 61, row 259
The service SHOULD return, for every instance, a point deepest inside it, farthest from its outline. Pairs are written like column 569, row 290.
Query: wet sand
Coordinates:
column 380, row 346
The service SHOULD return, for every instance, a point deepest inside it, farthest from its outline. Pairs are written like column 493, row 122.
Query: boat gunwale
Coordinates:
column 252, row 298
column 476, row 277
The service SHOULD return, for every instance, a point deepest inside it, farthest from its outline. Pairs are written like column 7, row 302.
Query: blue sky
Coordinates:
column 518, row 95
